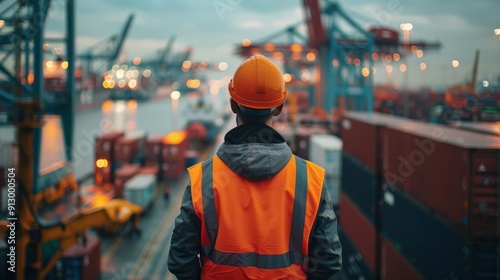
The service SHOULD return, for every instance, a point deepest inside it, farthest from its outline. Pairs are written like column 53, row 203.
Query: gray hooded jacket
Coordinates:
column 256, row 152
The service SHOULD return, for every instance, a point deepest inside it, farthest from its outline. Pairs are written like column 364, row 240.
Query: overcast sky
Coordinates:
column 213, row 28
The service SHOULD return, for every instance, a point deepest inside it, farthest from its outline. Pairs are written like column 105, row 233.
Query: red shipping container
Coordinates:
column 359, row 229
column 393, row 265
column 447, row 170
column 102, row 175
column 123, row 174
column 125, row 149
column 83, row 262
column 360, row 136
column 104, row 144
column 174, row 145
column 153, row 149
column 172, row 170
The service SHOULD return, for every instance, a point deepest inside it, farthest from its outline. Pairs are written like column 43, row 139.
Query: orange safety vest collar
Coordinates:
column 213, row 187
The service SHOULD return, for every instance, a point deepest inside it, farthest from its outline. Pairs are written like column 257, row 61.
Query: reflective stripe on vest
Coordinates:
column 299, row 182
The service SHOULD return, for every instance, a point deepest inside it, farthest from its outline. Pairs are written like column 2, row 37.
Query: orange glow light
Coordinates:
column 287, row 78
column 107, row 106
column 278, row 55
column 175, row 137
column 396, row 56
column 296, row 48
column 310, row 56
column 388, row 58
column 402, row 68
column 269, row 47
column 31, row 78
column 414, row 49
column 132, row 104
column 389, row 69
column 365, row 72
column 101, row 163
column 357, row 62
column 375, row 56
column 296, row 56
column 246, row 43
column 137, row 60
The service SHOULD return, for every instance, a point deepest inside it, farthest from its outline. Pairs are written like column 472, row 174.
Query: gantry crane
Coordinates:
column 102, row 56
column 343, row 54
column 22, row 45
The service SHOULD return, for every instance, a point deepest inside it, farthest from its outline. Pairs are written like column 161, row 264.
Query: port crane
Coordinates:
column 27, row 109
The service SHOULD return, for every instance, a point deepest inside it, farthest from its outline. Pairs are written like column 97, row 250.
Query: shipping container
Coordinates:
column 79, row 262
column 153, row 150
column 140, row 190
column 326, row 151
column 172, row 170
column 450, row 171
column 302, row 139
column 359, row 183
column 104, row 144
column 353, row 263
column 360, row 136
column 393, row 265
column 174, row 146
column 491, row 128
column 125, row 173
column 141, row 137
column 125, row 150
column 104, row 165
column 431, row 245
column 359, row 230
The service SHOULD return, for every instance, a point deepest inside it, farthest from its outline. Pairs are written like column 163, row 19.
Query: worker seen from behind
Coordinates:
column 254, row 210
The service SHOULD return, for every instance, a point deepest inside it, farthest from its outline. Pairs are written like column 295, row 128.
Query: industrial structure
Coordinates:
column 385, row 173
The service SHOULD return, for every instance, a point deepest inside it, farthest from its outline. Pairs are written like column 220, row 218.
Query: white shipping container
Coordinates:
column 140, row 189
column 326, row 151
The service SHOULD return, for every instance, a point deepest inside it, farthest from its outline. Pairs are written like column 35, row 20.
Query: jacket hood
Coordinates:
column 259, row 155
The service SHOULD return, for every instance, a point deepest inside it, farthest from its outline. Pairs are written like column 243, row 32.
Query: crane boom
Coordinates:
column 122, row 38
column 317, row 34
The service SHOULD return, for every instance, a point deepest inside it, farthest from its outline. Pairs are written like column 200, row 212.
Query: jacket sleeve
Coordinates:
column 183, row 260
column 325, row 250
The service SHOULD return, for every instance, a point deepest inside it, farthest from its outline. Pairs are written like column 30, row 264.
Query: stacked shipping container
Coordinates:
column 104, row 157
column 359, row 206
column 440, row 197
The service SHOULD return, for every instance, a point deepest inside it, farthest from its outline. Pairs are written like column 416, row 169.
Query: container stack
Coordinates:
column 326, row 151
column 359, row 205
column 173, row 150
column 124, row 174
column 441, row 193
column 79, row 262
column 420, row 201
column 105, row 165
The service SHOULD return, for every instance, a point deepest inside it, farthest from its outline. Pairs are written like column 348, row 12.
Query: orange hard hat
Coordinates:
column 258, row 84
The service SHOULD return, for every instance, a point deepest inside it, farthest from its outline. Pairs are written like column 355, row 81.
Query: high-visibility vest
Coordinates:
column 255, row 229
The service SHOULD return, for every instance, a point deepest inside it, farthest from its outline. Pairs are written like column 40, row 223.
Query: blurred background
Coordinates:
column 104, row 104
